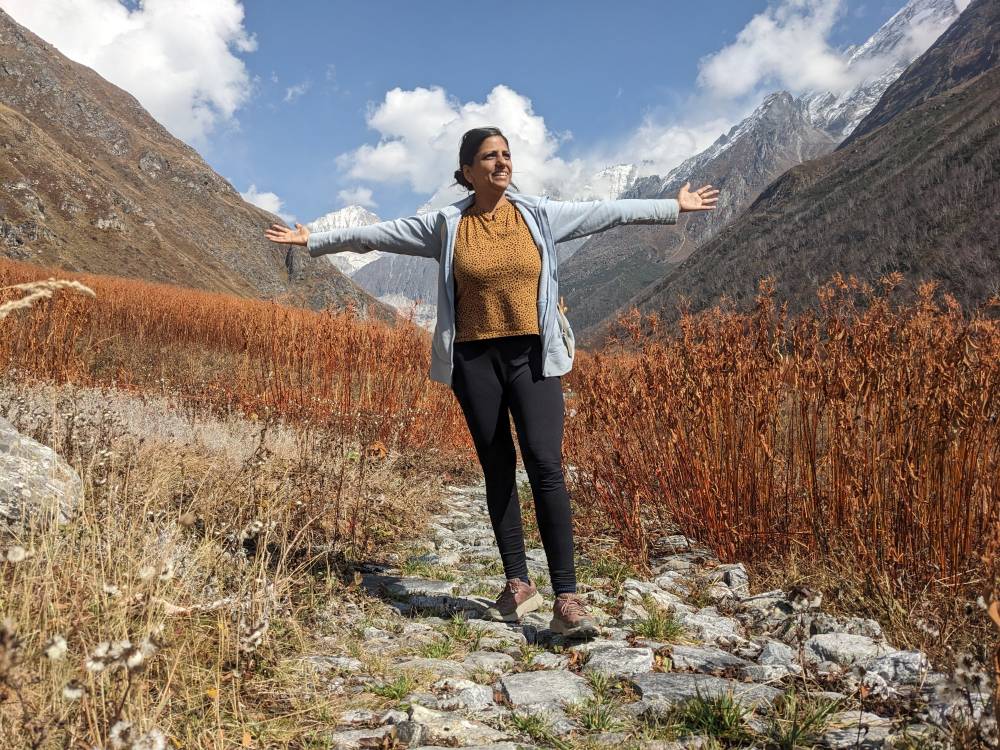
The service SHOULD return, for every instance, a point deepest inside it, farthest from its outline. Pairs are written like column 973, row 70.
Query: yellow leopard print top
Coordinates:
column 497, row 271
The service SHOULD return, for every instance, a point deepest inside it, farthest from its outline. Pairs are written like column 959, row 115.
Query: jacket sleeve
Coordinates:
column 415, row 235
column 571, row 219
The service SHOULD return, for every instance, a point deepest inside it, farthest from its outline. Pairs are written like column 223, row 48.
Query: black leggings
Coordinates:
column 489, row 377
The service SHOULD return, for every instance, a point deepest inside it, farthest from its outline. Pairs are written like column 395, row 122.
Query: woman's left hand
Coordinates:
column 702, row 199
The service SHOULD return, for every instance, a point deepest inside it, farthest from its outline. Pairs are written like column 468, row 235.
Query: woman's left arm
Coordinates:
column 572, row 219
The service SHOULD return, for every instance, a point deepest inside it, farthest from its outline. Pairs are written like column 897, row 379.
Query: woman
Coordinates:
column 502, row 344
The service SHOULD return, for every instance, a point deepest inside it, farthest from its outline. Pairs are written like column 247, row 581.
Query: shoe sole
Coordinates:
column 580, row 631
column 528, row 605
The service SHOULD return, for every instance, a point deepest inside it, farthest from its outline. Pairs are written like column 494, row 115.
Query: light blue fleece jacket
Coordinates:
column 432, row 235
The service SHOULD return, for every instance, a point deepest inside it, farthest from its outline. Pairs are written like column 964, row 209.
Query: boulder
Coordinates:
column 37, row 487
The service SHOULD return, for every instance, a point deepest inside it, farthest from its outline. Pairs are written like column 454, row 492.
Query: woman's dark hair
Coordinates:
column 471, row 142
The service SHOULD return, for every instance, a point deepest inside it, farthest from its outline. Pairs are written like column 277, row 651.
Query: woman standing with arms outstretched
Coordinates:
column 502, row 344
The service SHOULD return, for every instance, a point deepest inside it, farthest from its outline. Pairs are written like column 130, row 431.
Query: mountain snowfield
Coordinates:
column 875, row 65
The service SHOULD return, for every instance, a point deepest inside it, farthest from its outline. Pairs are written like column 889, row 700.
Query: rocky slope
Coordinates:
column 91, row 182
column 917, row 194
column 782, row 132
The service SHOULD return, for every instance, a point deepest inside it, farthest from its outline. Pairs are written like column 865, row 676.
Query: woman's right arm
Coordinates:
column 415, row 235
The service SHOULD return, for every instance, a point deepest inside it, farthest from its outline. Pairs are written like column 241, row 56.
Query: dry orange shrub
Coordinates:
column 868, row 429
column 364, row 378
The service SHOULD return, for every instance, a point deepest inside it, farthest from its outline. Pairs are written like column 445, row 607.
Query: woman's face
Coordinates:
column 491, row 168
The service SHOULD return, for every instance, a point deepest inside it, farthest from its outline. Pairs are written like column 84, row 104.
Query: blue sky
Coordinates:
column 291, row 100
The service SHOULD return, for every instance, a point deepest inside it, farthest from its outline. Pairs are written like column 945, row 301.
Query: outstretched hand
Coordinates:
column 702, row 199
column 285, row 236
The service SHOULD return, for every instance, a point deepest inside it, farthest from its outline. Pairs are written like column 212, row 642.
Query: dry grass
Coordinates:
column 865, row 438
column 210, row 546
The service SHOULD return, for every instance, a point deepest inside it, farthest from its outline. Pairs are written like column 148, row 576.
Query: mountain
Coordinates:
column 351, row 216
column 915, row 193
column 613, row 265
column 782, row 132
column 91, row 182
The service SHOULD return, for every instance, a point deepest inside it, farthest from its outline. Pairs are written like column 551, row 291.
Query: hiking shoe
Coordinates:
column 517, row 599
column 570, row 618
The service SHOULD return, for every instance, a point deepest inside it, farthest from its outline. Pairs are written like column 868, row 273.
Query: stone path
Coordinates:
column 689, row 643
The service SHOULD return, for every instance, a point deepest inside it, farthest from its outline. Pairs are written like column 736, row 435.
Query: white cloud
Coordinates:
column 785, row 46
column 420, row 131
column 294, row 92
column 358, row 196
column 177, row 57
column 268, row 201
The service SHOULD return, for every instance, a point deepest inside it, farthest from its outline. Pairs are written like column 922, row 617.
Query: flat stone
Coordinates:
column 769, row 672
column 676, row 687
column 900, row 667
column 599, row 644
column 499, row 632
column 439, row 667
column 343, row 664
column 548, row 660
column 547, row 686
column 493, row 746
column 407, row 587
column 620, row 662
column 705, row 659
column 818, row 623
column 674, row 582
column 854, row 730
column 768, row 603
column 358, row 717
column 489, row 661
column 443, row 557
column 355, row 739
column 450, row 730
column 843, row 648
column 463, row 694
column 776, row 652
column 708, row 625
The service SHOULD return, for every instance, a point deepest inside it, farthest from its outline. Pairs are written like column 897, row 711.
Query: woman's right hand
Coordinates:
column 285, row 236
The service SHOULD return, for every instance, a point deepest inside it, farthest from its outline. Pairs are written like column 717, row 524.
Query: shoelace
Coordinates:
column 573, row 607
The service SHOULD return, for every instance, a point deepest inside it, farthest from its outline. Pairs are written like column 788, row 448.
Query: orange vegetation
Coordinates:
column 867, row 429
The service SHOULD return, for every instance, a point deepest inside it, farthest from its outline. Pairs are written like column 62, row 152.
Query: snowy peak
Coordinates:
column 878, row 62
column 351, row 216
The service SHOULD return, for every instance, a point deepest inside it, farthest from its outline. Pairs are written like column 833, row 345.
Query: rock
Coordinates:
column 548, row 660
column 500, row 633
column 900, row 667
column 818, row 623
column 393, row 716
column 843, row 648
column 489, row 661
column 776, row 652
column 854, row 730
column 597, row 644
column 341, row 664
column 443, row 557
column 439, row 667
column 545, row 687
column 358, row 717
column 620, row 662
column 705, row 659
column 675, row 687
column 768, row 603
column 37, row 487
column 769, row 672
column 711, row 627
column 355, row 739
column 463, row 694
column 438, row 728
column 494, row 746
column 673, row 582
column 736, row 578
column 405, row 588
column 632, row 612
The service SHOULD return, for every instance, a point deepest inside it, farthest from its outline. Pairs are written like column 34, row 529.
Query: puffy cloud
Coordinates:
column 785, row 45
column 268, row 201
column 420, row 131
column 358, row 196
column 179, row 58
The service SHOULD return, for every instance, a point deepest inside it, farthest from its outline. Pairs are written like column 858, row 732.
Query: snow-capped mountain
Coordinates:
column 879, row 62
column 351, row 216
column 782, row 132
